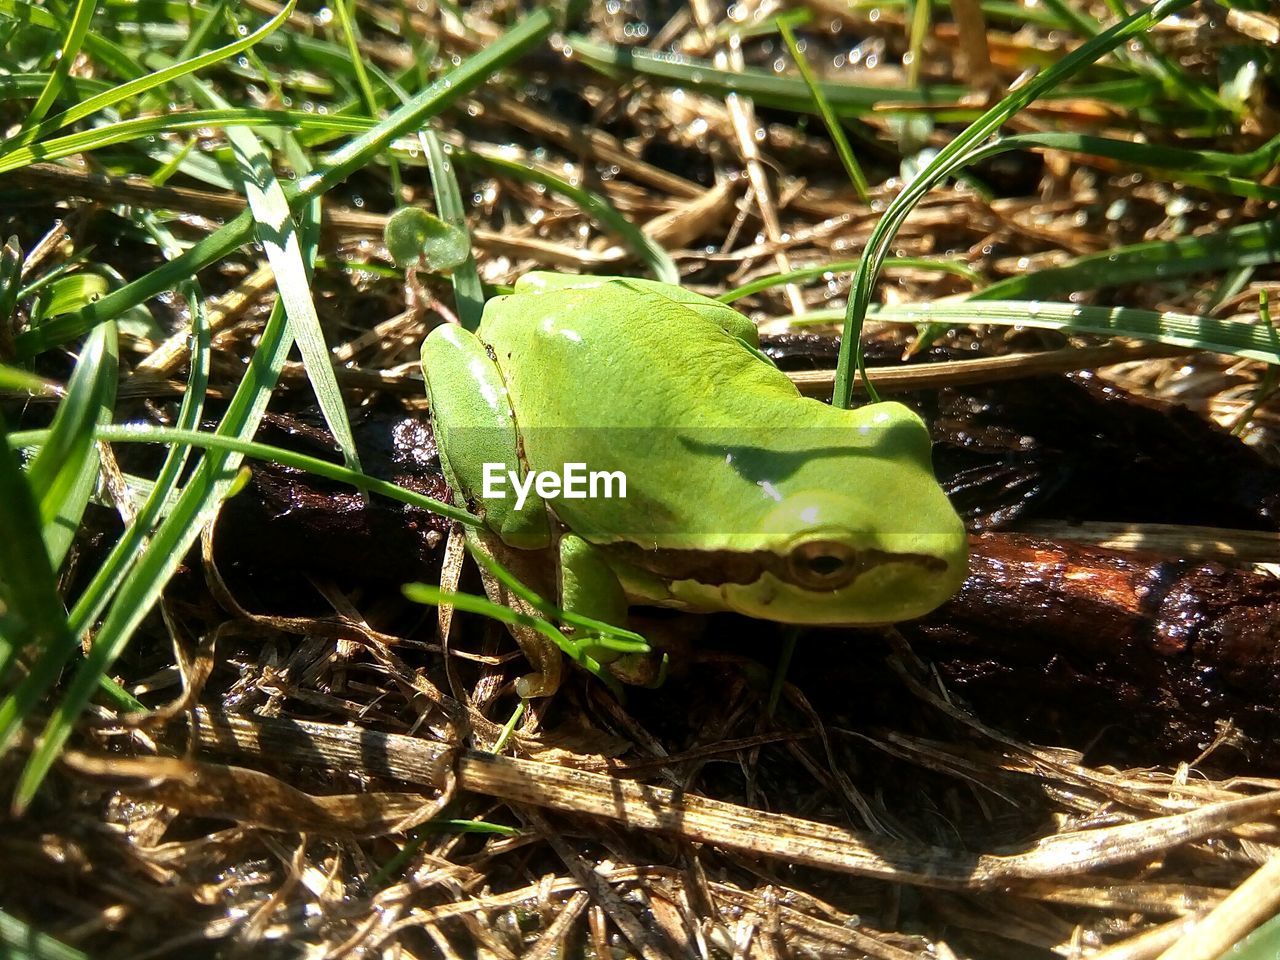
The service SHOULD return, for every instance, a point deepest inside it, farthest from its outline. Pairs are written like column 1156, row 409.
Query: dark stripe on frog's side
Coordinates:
column 716, row 568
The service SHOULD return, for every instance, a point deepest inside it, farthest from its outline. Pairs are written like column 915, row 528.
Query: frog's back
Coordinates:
column 573, row 357
column 714, row 441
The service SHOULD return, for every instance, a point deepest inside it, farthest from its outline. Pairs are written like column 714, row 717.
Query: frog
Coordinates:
column 741, row 495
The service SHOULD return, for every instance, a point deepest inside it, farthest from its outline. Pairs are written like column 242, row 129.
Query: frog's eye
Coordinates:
column 823, row 564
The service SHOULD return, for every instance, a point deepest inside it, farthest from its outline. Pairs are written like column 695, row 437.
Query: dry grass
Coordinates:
column 332, row 794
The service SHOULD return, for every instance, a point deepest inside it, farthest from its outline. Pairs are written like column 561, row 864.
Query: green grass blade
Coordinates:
column 848, row 99
column 1067, row 13
column 141, row 85
column 1251, row 244
column 176, row 533
column 954, row 267
column 64, row 294
column 618, row 638
column 21, row 941
column 1174, row 162
column 1190, row 90
column 724, row 32
column 200, row 255
column 468, row 292
column 829, row 119
column 72, row 40
column 429, row 593
column 529, row 32
column 262, row 451
column 342, row 163
column 1253, row 342
column 10, row 291
column 921, row 15
column 24, row 86
column 75, row 487
column 650, row 253
column 766, row 89
column 432, row 595
column 201, row 31
column 351, row 39
column 62, row 478
column 94, row 286
column 171, row 166
column 278, row 234
column 949, row 159
column 132, row 541
column 33, row 611
column 1014, row 14
column 1247, row 340
column 346, row 21
column 112, row 55
column 126, row 131
column 13, row 378
column 63, row 474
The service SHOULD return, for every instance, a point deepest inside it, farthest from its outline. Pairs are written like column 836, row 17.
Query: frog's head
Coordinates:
column 864, row 536
column 832, row 562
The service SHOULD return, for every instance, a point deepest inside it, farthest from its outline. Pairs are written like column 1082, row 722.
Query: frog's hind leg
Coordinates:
column 474, row 427
column 735, row 324
column 721, row 314
column 530, row 568
column 477, row 434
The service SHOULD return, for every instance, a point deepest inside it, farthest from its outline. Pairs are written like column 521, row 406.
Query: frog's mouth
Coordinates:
column 818, row 566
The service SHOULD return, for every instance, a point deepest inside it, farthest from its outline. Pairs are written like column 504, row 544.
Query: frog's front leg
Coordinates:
column 474, row 426
column 588, row 585
column 476, row 432
column 590, row 588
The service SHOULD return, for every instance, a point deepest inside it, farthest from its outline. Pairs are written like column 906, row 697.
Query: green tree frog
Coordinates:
column 740, row 494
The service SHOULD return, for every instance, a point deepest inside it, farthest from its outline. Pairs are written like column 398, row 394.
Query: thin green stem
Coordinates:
column 951, row 158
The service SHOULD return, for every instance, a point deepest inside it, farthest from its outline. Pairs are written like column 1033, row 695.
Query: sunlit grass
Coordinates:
column 163, row 81
column 286, row 222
